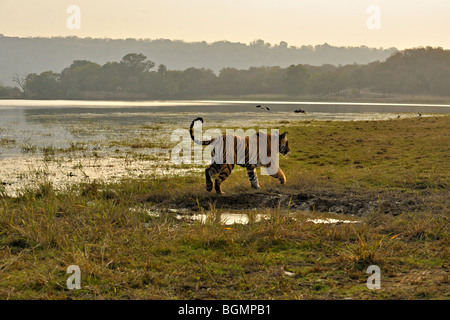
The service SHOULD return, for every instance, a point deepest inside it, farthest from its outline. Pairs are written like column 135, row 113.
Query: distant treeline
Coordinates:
column 38, row 54
column 424, row 71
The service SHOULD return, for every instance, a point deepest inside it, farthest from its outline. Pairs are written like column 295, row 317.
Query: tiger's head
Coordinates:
column 283, row 144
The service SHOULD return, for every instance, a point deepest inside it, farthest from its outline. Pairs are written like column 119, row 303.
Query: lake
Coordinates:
column 59, row 123
column 77, row 141
column 64, row 107
column 123, row 112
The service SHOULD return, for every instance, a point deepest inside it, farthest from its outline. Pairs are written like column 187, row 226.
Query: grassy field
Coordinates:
column 390, row 177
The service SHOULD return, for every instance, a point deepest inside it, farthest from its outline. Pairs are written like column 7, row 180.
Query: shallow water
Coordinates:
column 26, row 172
column 231, row 218
column 239, row 218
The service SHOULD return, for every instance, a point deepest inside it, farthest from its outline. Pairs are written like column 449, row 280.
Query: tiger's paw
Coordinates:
column 217, row 187
column 209, row 186
column 219, row 192
column 256, row 186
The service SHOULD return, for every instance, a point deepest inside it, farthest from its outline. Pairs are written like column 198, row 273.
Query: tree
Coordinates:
column 10, row 92
column 21, row 81
column 111, row 78
column 43, row 86
column 198, row 82
column 358, row 79
column 296, row 79
column 231, row 81
column 82, row 75
column 137, row 63
column 171, row 84
column 162, row 69
column 134, row 67
column 4, row 92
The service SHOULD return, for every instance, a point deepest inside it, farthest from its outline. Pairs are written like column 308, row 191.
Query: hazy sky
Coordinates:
column 402, row 23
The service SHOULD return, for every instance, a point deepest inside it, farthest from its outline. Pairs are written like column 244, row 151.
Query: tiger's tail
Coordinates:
column 203, row 143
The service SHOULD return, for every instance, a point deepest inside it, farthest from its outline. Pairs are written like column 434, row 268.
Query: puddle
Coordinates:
column 228, row 218
column 225, row 218
column 330, row 220
column 236, row 218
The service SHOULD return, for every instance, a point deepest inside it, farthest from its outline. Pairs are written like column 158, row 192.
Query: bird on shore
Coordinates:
column 300, row 111
column 419, row 114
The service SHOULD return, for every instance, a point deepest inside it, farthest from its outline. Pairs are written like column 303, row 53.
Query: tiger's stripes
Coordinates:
column 243, row 154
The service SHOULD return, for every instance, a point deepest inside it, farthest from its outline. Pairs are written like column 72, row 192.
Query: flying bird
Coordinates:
column 262, row 108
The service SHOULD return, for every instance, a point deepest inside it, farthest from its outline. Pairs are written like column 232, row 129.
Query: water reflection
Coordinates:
column 228, row 218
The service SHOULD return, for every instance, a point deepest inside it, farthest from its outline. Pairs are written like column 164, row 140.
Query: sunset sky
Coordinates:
column 403, row 23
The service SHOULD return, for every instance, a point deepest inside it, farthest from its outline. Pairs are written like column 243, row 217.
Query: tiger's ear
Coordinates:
column 283, row 135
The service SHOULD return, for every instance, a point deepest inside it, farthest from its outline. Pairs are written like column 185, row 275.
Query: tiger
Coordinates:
column 244, row 155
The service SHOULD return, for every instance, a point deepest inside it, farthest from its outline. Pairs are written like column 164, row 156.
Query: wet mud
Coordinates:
column 342, row 202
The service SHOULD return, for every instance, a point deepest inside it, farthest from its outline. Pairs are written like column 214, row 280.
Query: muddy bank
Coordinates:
column 352, row 202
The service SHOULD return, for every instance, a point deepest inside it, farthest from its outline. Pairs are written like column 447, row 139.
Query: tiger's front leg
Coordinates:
column 224, row 173
column 280, row 176
column 251, row 172
column 209, row 173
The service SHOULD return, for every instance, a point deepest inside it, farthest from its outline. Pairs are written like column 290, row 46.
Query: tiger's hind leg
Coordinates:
column 251, row 172
column 224, row 173
column 209, row 173
column 280, row 176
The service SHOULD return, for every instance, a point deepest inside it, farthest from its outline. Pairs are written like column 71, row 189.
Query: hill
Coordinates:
column 36, row 55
